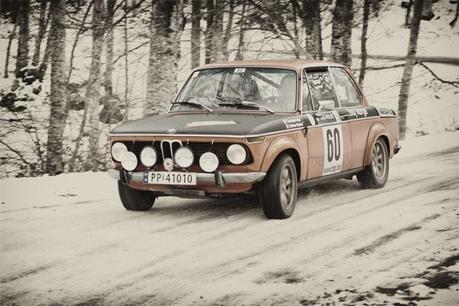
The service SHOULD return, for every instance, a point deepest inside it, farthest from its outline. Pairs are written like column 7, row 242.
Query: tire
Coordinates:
column 278, row 191
column 375, row 175
column 133, row 199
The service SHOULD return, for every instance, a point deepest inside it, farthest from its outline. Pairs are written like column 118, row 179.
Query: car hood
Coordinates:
column 210, row 124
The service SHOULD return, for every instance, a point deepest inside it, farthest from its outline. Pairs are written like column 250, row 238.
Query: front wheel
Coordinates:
column 375, row 175
column 133, row 199
column 278, row 191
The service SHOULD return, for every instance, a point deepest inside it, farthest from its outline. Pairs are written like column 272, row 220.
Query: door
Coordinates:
column 353, row 113
column 329, row 138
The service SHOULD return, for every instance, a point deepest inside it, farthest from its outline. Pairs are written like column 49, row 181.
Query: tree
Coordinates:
column 55, row 164
column 108, row 76
column 217, row 52
column 164, row 47
column 363, row 42
column 195, row 33
column 23, row 40
column 313, row 29
column 42, row 24
column 240, row 45
column 210, row 12
column 408, row 69
column 94, row 83
column 341, row 32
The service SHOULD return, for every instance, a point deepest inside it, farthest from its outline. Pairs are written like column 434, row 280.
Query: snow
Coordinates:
column 66, row 239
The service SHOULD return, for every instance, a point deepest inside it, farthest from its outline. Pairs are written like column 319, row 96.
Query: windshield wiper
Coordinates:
column 239, row 102
column 193, row 104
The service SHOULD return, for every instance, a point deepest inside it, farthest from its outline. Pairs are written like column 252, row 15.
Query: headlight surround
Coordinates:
column 148, row 156
column 118, row 149
column 209, row 162
column 236, row 154
column 129, row 161
column 184, row 157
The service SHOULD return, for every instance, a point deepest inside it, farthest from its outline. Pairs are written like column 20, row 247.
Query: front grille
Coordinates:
column 198, row 149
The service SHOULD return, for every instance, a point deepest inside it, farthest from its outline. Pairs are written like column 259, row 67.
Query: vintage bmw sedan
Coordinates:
column 268, row 127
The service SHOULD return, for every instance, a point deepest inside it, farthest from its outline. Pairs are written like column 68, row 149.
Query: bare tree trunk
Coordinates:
column 209, row 31
column 42, row 22
column 342, row 31
column 126, row 63
column 8, row 50
column 161, row 79
column 363, row 42
column 409, row 4
column 311, row 21
column 94, row 83
column 195, row 33
column 23, row 40
column 55, row 164
column 217, row 37
column 229, row 25
column 108, row 76
column 409, row 65
column 453, row 22
column 240, row 44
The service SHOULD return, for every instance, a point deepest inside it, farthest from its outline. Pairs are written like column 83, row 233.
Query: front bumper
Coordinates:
column 219, row 178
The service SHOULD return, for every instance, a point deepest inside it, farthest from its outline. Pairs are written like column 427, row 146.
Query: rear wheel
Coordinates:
column 133, row 199
column 278, row 191
column 375, row 175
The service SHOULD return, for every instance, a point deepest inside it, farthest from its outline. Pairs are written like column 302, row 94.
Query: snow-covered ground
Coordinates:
column 67, row 240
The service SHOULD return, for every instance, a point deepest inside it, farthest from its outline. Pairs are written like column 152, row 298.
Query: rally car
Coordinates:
column 264, row 127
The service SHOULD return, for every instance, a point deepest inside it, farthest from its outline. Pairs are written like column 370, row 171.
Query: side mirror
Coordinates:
column 326, row 105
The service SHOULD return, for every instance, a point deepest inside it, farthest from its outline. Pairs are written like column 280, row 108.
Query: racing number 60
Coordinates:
column 333, row 144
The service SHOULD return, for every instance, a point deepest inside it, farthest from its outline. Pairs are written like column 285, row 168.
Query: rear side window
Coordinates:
column 321, row 87
column 346, row 90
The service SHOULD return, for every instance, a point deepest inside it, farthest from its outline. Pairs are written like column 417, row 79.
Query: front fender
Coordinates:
column 275, row 148
column 376, row 130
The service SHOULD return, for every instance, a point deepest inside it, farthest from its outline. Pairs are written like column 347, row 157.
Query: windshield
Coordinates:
column 260, row 89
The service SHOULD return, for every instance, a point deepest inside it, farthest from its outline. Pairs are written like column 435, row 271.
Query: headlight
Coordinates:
column 129, row 161
column 236, row 154
column 118, row 149
column 184, row 157
column 148, row 156
column 208, row 162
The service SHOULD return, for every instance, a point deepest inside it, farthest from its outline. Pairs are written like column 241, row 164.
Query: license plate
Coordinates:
column 170, row 178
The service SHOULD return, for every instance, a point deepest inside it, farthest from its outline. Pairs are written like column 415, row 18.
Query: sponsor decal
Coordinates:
column 385, row 112
column 239, row 70
column 325, row 117
column 333, row 149
column 209, row 123
column 172, row 131
column 292, row 123
column 195, row 74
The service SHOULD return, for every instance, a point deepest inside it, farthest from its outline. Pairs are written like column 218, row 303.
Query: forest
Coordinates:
column 74, row 69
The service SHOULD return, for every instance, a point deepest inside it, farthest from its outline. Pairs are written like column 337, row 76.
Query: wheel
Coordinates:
column 375, row 175
column 133, row 199
column 278, row 191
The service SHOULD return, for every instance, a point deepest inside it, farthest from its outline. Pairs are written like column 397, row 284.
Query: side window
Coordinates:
column 307, row 102
column 347, row 92
column 321, row 87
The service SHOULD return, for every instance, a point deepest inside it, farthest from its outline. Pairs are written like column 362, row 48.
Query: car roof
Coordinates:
column 296, row 64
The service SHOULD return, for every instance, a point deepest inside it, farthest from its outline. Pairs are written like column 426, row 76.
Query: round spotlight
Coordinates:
column 129, row 161
column 208, row 162
column 236, row 154
column 118, row 149
column 184, row 157
column 148, row 156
